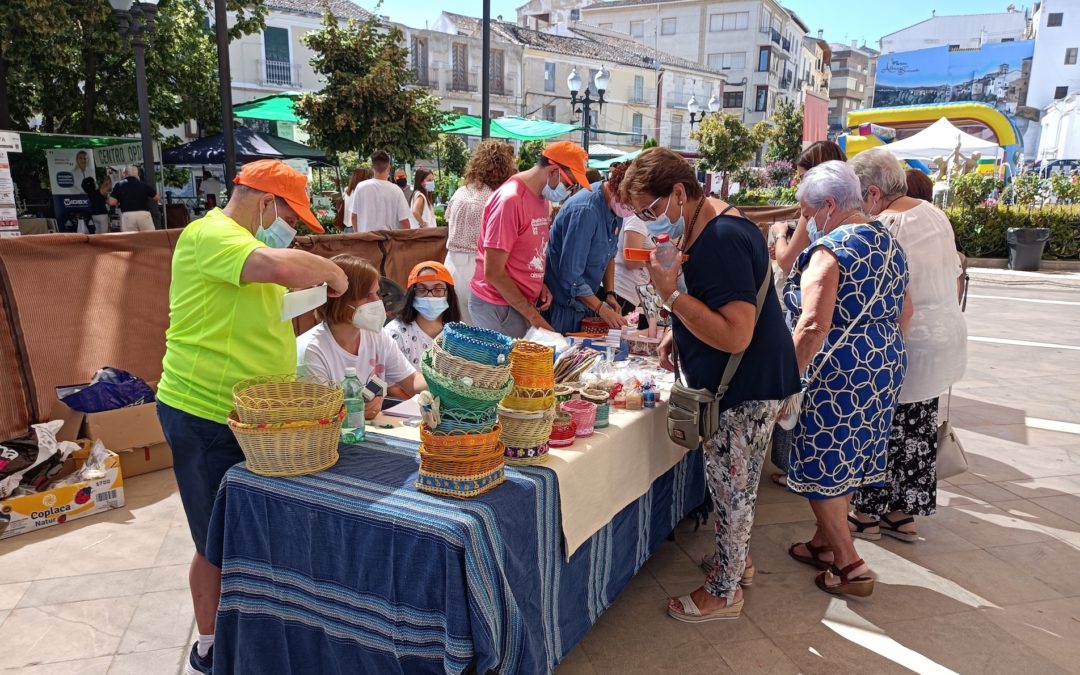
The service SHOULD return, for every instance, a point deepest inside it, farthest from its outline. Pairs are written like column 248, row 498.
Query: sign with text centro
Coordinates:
column 123, row 155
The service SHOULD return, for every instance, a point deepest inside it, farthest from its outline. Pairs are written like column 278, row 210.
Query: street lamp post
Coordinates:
column 583, row 104
column 135, row 19
column 697, row 114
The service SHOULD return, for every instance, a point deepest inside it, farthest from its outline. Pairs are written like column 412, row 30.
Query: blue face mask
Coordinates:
column 556, row 194
column 663, row 225
column 812, row 230
column 278, row 235
column 431, row 308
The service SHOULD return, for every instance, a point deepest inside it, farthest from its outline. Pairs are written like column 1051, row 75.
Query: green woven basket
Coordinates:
column 460, row 394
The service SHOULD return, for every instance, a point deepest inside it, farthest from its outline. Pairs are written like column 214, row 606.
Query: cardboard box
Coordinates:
column 133, row 433
column 19, row 515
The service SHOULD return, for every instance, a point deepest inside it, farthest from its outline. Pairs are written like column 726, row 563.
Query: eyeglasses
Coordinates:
column 647, row 214
column 437, row 292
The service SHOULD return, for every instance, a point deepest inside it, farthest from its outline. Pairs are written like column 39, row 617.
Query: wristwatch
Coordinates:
column 669, row 304
column 611, row 293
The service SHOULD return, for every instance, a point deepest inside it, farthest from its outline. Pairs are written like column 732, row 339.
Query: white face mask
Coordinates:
column 370, row 316
column 279, row 234
column 430, row 186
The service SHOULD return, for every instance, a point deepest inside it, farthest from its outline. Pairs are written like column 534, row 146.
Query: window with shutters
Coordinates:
column 638, row 95
column 1070, row 56
column 278, row 68
column 667, row 26
column 459, row 58
column 419, row 49
column 637, row 29
column 761, row 99
column 549, row 77
column 549, row 113
column 497, row 72
column 733, row 99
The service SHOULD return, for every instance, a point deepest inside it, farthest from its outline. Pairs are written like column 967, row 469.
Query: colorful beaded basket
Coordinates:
column 521, row 398
column 527, row 455
column 289, row 448
column 594, row 325
column 286, row 398
column 459, row 487
column 563, row 431
column 456, row 368
column 459, row 395
column 525, row 429
column 584, row 414
column 603, row 406
column 533, row 365
column 603, row 416
column 460, row 464
column 476, row 344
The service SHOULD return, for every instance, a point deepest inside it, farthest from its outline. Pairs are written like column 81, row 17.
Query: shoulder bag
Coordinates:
column 951, row 459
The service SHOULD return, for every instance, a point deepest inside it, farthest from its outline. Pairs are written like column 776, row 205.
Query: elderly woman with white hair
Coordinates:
column 936, row 345
column 847, row 293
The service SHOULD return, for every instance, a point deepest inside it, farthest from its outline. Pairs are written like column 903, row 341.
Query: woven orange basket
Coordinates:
column 450, row 465
column 289, row 448
column 532, row 365
column 459, row 444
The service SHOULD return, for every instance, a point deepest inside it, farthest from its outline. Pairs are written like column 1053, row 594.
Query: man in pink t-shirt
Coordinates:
column 512, row 249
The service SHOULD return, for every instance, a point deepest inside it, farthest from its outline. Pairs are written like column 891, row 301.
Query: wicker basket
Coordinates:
column 289, row 448
column 457, row 395
column 456, row 368
column 525, row 429
column 464, row 421
column 286, row 398
column 526, row 456
column 476, row 344
column 563, row 431
column 563, row 393
column 584, row 414
column 534, row 400
column 594, row 325
column 459, row 487
column 597, row 396
column 533, row 365
column 603, row 416
column 436, row 462
column 459, row 457
column 459, row 444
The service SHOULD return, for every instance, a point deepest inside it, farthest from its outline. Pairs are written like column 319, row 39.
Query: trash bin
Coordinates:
column 1026, row 247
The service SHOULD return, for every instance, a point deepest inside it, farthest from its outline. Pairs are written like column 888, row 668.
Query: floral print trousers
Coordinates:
column 733, row 461
column 911, row 479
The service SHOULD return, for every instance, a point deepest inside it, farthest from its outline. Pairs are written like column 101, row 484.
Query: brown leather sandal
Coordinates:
column 860, row 586
column 814, row 559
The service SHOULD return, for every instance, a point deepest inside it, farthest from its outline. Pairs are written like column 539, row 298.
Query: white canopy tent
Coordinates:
column 940, row 140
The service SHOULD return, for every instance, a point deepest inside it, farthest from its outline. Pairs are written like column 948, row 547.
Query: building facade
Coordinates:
column 757, row 44
column 646, row 95
column 967, row 31
column 851, row 84
column 1055, row 73
column 1060, row 137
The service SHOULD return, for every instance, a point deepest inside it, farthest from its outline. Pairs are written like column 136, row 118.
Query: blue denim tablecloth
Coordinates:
column 352, row 570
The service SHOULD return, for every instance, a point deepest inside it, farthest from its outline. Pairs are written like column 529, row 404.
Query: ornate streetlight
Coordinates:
column 582, row 105
column 134, row 20
column 696, row 113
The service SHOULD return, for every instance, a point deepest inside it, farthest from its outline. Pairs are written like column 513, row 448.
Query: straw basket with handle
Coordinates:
column 286, row 398
column 289, row 448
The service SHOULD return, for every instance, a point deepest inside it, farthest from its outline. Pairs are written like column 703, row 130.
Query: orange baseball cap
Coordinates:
column 280, row 180
column 441, row 273
column 572, row 157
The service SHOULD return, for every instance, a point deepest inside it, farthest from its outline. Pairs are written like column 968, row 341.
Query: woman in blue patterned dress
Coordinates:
column 847, row 293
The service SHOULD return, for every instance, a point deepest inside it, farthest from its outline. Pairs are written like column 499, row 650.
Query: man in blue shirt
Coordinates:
column 581, row 254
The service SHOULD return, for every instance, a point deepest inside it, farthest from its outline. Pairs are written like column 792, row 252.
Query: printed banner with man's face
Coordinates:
column 68, row 168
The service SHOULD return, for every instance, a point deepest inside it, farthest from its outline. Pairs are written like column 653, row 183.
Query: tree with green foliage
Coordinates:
column 725, row 144
column 367, row 103
column 1065, row 187
column 786, row 133
column 528, row 153
column 66, row 62
column 972, row 189
column 450, row 153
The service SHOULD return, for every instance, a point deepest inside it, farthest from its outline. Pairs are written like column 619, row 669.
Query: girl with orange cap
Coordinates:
column 429, row 304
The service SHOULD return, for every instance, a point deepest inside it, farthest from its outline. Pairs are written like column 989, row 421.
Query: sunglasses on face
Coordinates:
column 649, row 213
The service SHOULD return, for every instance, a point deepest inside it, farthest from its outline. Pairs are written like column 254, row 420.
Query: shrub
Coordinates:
column 779, row 173
column 972, row 189
column 981, row 232
column 749, row 177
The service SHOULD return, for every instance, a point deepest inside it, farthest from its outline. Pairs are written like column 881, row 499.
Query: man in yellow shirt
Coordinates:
column 230, row 270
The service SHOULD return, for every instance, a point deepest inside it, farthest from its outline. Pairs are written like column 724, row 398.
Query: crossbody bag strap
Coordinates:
column 866, row 308
column 735, row 359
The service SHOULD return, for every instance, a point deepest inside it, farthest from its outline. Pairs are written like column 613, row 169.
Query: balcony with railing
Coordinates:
column 640, row 96
column 774, row 35
column 426, row 77
column 679, row 99
column 785, row 44
column 461, row 82
column 279, row 73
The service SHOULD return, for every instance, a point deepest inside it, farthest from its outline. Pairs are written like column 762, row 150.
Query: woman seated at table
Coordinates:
column 429, row 304
column 350, row 335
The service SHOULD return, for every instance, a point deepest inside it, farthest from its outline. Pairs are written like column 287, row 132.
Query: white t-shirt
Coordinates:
column 427, row 215
column 210, row 186
column 346, row 206
column 936, row 339
column 410, row 339
column 627, row 280
column 378, row 205
column 318, row 353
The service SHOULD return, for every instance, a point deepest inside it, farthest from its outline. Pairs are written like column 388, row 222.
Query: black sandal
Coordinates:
column 892, row 528
column 860, row 529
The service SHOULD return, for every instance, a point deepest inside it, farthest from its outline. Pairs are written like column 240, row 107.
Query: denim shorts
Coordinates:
column 202, row 452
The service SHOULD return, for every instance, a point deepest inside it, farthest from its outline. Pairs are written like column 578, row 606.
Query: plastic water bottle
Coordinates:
column 666, row 253
column 353, row 429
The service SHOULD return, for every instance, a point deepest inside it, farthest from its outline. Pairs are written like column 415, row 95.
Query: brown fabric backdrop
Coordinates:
column 81, row 303
column 14, row 411
column 403, row 249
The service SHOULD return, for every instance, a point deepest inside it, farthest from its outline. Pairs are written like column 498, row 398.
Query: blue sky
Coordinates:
column 842, row 20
